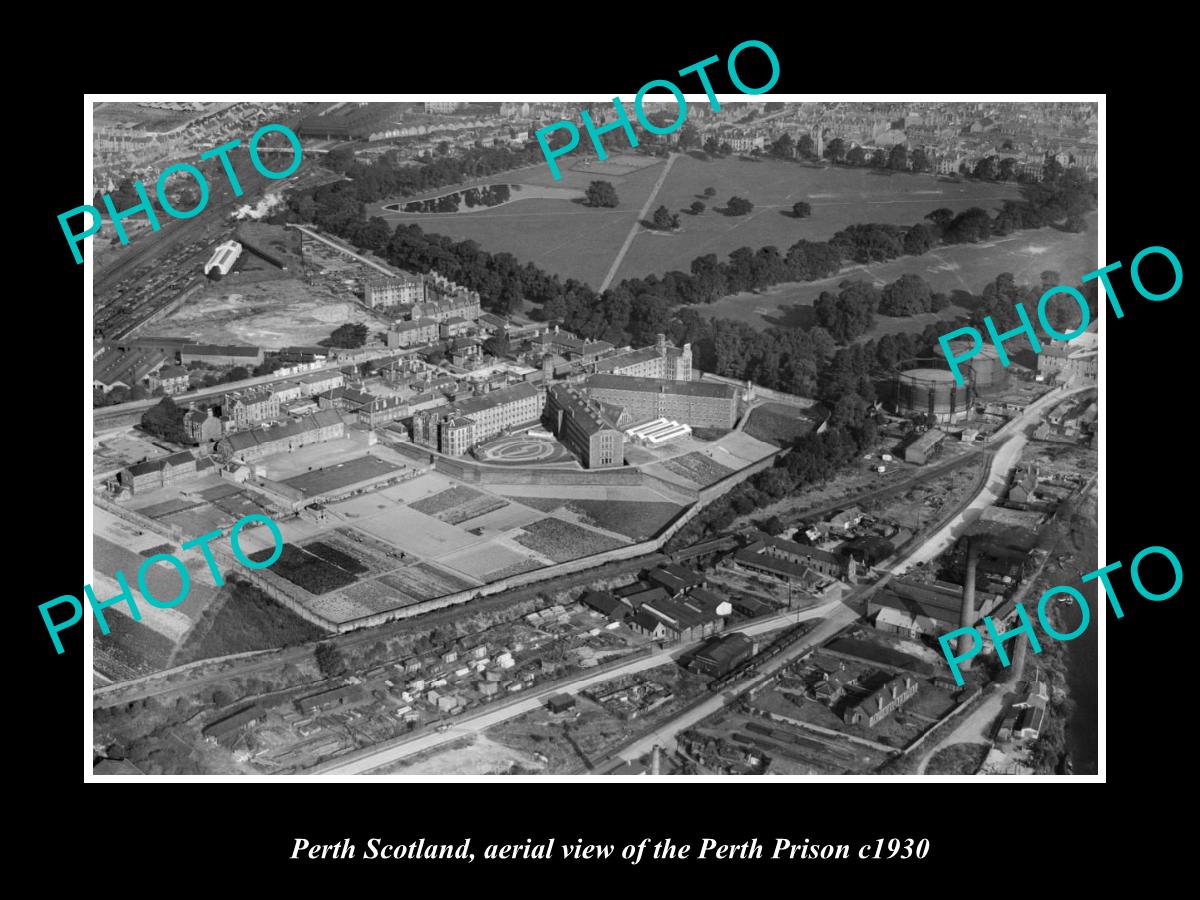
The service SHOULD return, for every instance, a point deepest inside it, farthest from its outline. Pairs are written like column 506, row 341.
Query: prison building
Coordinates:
column 456, row 428
column 282, row 437
column 660, row 361
column 584, row 427
column 156, row 473
column 695, row 403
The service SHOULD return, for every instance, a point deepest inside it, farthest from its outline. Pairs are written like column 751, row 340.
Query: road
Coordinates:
column 664, row 735
column 477, row 723
column 637, row 224
column 1012, row 442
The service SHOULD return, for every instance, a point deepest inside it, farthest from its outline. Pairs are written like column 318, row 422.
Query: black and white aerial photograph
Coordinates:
column 455, row 438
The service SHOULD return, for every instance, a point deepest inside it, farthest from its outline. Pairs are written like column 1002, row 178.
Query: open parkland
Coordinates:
column 568, row 239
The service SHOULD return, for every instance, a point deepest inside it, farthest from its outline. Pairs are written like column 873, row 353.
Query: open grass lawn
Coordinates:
column 247, row 620
column 967, row 267
column 633, row 518
column 778, row 424
column 561, row 236
column 839, row 197
column 572, row 240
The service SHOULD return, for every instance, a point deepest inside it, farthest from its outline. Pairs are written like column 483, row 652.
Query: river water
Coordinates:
column 1083, row 673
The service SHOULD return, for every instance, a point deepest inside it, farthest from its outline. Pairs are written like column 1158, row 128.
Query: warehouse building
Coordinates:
column 791, row 562
column 698, row 404
column 222, row 260
column 922, row 449
column 215, row 355
column 913, row 608
column 722, row 656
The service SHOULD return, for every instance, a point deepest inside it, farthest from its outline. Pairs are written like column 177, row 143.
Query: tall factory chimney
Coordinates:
column 655, row 760
column 967, row 619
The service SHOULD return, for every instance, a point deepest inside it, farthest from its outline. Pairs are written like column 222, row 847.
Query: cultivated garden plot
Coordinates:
column 562, row 541
column 458, row 504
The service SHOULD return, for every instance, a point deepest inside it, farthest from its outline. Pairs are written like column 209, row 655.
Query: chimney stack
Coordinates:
column 655, row 763
column 967, row 619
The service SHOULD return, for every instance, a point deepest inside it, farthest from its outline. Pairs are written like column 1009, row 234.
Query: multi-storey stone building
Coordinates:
column 454, row 429
column 695, row 403
column 242, row 409
column 585, row 427
column 660, row 361
column 384, row 291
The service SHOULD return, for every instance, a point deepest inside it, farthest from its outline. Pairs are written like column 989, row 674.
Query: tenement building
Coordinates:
column 660, row 361
column 385, row 291
column 585, row 427
column 242, row 409
column 695, row 403
column 454, row 429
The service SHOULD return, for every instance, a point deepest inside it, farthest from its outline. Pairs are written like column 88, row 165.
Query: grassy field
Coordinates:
column 632, row 518
column 561, row 236
column 778, row 424
column 572, row 240
column 967, row 267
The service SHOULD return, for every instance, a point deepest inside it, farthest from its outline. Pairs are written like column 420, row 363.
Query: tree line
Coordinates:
column 636, row 309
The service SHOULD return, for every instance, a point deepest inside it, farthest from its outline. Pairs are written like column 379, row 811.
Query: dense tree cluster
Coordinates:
column 390, row 175
column 485, row 195
column 665, row 220
column 738, row 206
column 602, row 194
column 636, row 309
column 349, row 335
column 165, row 419
column 801, row 210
